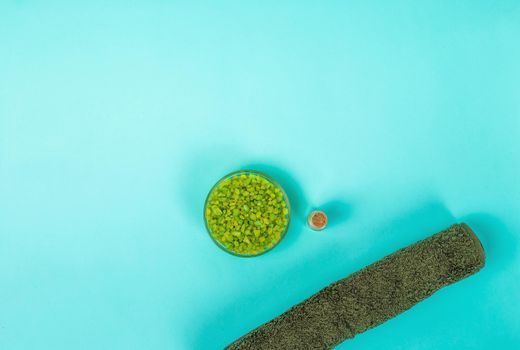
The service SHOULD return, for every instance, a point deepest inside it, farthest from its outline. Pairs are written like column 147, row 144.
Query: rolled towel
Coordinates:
column 372, row 295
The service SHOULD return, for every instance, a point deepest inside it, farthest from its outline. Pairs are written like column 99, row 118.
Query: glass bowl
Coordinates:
column 276, row 186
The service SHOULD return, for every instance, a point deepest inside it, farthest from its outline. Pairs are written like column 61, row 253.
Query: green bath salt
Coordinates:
column 247, row 213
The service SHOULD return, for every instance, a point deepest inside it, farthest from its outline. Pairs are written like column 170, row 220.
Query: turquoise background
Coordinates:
column 116, row 117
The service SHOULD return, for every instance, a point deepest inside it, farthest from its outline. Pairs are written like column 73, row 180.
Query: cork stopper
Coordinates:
column 317, row 220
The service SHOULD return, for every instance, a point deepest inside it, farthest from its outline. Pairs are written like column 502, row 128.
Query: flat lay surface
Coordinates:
column 397, row 119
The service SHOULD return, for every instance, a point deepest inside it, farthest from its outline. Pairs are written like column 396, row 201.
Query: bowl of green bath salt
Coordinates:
column 247, row 213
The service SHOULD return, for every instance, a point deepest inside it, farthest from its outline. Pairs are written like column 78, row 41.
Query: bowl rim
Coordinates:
column 268, row 178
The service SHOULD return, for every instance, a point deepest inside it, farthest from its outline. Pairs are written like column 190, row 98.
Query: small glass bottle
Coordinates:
column 317, row 220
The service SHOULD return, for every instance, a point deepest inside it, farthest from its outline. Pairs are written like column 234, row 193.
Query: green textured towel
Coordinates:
column 372, row 295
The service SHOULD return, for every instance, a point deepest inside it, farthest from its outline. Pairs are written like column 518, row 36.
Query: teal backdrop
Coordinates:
column 398, row 118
